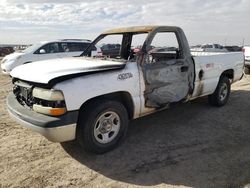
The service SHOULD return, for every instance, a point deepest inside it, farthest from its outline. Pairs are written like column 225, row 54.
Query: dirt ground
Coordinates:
column 190, row 145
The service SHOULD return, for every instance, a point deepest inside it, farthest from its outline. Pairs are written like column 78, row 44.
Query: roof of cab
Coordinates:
column 134, row 29
column 138, row 29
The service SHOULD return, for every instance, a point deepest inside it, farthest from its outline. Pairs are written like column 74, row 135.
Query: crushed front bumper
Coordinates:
column 55, row 129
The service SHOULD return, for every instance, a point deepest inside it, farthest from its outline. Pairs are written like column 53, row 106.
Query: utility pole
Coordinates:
column 243, row 42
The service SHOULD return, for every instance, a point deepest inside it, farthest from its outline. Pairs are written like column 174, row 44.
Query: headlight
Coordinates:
column 48, row 94
column 49, row 101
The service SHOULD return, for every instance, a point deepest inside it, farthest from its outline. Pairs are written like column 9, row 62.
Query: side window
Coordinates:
column 138, row 40
column 164, row 47
column 136, row 44
column 111, row 45
column 74, row 47
column 64, row 46
column 83, row 46
column 50, row 48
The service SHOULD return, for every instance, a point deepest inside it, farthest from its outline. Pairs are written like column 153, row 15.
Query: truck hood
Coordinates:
column 45, row 71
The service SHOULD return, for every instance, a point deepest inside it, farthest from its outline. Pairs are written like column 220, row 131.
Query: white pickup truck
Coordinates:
column 92, row 99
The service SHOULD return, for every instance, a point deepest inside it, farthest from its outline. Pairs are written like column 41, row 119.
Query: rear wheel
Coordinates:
column 102, row 126
column 221, row 94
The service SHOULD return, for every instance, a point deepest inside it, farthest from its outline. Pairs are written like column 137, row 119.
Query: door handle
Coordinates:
column 184, row 68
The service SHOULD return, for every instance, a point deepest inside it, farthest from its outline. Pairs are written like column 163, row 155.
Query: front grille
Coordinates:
column 23, row 93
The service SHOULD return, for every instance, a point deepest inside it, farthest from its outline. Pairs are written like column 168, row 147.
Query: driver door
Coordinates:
column 165, row 71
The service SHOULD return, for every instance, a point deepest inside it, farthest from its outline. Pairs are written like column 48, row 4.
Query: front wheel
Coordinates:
column 221, row 94
column 102, row 126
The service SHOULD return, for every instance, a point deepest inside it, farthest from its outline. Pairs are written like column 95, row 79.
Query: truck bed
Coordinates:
column 210, row 65
column 199, row 53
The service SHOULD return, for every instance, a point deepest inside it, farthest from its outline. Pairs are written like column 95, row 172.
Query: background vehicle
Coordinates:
column 209, row 48
column 93, row 99
column 246, row 50
column 5, row 51
column 233, row 48
column 47, row 50
column 110, row 49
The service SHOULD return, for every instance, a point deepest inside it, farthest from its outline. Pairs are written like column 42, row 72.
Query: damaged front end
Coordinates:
column 23, row 93
column 41, row 100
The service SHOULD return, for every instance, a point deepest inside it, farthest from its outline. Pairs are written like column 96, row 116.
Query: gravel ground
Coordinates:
column 190, row 145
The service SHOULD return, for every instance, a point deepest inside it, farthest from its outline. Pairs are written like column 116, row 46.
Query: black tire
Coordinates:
column 221, row 94
column 96, row 122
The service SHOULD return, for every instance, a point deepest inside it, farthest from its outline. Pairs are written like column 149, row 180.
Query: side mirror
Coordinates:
column 42, row 51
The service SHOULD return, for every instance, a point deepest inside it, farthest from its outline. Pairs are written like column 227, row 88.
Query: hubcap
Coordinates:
column 107, row 127
column 223, row 92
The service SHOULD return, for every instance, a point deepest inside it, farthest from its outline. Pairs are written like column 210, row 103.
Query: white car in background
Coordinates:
column 47, row 50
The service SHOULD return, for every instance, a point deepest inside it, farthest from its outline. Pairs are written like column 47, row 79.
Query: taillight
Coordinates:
column 243, row 50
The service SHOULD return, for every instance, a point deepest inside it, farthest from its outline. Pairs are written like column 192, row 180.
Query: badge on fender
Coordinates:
column 124, row 76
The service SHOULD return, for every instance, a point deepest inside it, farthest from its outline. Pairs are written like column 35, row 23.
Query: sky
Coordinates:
column 214, row 21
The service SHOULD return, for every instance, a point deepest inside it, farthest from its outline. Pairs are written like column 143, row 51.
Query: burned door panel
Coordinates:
column 165, row 82
column 166, row 70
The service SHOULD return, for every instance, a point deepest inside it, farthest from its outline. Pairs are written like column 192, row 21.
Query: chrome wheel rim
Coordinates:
column 107, row 127
column 223, row 92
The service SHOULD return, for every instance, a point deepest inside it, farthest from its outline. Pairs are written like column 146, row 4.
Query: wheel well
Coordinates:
column 121, row 96
column 228, row 73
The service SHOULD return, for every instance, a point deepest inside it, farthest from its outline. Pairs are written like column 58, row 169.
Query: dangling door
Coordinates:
column 165, row 71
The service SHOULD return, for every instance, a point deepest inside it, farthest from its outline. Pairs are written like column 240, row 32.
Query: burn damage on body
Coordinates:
column 169, row 78
column 135, row 29
column 200, row 83
column 160, row 89
column 200, row 88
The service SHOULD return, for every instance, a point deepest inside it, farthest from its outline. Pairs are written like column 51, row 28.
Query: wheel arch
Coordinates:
column 228, row 73
column 121, row 96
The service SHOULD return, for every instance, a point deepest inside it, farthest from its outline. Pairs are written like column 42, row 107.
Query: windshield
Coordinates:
column 32, row 48
column 123, row 46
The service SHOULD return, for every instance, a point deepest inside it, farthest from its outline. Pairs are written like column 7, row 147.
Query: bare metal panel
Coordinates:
column 165, row 83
